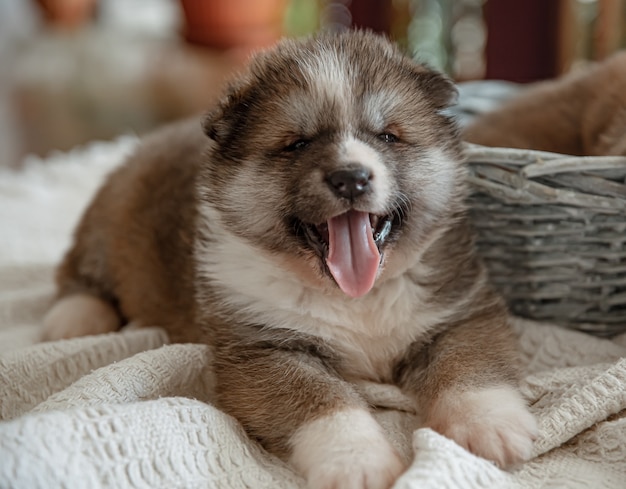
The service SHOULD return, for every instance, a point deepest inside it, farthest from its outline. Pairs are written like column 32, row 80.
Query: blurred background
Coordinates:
column 72, row 71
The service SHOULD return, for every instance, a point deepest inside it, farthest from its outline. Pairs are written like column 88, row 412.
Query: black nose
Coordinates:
column 350, row 183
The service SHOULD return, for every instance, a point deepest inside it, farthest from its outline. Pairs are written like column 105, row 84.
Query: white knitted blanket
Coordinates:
column 129, row 410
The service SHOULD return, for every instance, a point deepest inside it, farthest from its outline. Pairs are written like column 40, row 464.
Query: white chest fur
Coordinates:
column 370, row 332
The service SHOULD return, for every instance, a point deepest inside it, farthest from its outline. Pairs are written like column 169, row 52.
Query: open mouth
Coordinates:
column 351, row 246
column 318, row 238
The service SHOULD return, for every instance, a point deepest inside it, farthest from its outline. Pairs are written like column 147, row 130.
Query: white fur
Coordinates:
column 370, row 331
column 79, row 315
column 354, row 151
column 346, row 450
column 378, row 106
column 327, row 77
column 493, row 423
column 438, row 184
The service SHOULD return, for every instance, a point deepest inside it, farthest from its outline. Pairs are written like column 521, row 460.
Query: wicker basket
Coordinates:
column 552, row 230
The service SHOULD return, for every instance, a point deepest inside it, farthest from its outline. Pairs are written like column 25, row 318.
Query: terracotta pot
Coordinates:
column 67, row 13
column 233, row 23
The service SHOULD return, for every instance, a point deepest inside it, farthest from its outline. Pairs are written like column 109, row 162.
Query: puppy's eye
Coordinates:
column 387, row 137
column 297, row 145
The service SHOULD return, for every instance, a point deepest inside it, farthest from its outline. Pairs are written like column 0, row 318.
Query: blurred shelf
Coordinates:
column 59, row 90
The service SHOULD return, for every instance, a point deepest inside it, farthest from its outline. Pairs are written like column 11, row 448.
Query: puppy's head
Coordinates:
column 333, row 155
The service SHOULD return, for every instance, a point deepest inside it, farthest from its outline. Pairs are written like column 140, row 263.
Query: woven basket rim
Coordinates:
column 552, row 162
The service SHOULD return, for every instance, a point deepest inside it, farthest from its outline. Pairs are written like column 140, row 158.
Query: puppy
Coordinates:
column 312, row 230
column 583, row 113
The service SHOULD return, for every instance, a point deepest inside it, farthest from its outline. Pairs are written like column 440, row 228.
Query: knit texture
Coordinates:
column 128, row 410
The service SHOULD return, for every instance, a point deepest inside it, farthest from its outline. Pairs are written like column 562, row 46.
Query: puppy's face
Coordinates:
column 333, row 155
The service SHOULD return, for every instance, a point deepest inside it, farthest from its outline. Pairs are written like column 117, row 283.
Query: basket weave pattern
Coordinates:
column 552, row 231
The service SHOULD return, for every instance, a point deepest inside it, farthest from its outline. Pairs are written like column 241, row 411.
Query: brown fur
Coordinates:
column 583, row 113
column 133, row 246
column 145, row 247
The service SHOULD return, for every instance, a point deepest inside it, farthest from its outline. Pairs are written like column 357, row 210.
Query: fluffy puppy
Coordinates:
column 313, row 232
column 583, row 113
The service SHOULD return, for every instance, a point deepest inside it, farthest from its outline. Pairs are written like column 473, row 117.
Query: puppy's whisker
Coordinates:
column 403, row 207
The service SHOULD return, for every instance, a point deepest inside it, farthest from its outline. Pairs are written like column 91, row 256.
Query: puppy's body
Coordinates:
column 134, row 245
column 583, row 113
column 315, row 238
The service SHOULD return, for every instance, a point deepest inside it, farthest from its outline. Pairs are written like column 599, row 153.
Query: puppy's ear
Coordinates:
column 218, row 122
column 213, row 123
column 437, row 88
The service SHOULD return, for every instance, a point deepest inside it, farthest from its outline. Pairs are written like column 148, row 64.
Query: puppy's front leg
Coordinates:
column 293, row 403
column 466, row 384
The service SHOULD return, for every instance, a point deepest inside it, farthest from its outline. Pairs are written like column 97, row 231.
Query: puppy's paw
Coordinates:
column 492, row 423
column 79, row 315
column 345, row 450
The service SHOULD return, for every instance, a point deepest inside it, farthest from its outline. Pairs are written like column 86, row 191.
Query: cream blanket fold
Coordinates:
column 129, row 410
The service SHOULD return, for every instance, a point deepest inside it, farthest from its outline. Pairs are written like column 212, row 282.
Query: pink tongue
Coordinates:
column 353, row 257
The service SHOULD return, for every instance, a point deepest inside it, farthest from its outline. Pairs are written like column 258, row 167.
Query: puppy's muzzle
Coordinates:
column 350, row 183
